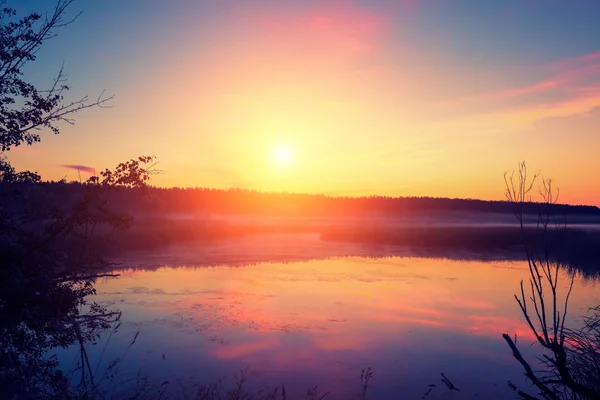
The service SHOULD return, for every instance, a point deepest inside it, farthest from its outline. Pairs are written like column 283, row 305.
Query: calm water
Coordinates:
column 317, row 313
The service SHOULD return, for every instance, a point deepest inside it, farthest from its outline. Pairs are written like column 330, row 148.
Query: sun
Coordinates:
column 283, row 155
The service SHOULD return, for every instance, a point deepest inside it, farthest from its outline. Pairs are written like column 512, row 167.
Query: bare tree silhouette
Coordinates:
column 570, row 361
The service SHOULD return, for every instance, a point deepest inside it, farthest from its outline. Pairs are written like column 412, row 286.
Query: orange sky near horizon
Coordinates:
column 367, row 97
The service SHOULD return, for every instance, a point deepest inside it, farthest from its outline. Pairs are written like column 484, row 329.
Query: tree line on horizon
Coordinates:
column 153, row 199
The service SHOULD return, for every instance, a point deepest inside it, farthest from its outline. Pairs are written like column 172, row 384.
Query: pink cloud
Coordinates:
column 573, row 87
column 591, row 57
column 410, row 4
column 575, row 62
column 341, row 27
column 539, row 87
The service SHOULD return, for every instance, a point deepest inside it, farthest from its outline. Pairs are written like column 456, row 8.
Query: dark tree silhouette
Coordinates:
column 24, row 108
column 50, row 258
column 50, row 251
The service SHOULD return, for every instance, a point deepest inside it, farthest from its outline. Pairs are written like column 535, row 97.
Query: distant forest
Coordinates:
column 242, row 201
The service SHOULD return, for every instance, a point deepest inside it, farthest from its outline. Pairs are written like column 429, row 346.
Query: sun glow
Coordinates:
column 283, row 155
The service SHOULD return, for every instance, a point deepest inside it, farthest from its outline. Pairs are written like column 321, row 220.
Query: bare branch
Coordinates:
column 528, row 370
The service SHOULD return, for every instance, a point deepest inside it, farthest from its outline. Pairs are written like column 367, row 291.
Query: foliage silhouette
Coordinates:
column 50, row 260
column 24, row 108
column 50, row 252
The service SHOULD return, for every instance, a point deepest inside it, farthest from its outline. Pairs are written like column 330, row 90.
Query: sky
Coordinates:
column 342, row 97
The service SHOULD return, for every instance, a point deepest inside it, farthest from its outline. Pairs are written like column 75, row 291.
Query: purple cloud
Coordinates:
column 80, row 168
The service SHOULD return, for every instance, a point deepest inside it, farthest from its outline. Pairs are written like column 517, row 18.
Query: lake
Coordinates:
column 303, row 312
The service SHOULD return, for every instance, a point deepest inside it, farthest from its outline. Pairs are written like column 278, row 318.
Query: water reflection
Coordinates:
column 304, row 321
